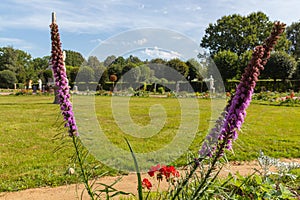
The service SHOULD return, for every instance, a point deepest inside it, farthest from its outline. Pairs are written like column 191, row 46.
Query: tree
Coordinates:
column 227, row 63
column 74, row 58
column 109, row 60
column 99, row 72
column 293, row 34
column 158, row 61
column 196, row 71
column 238, row 33
column 85, row 74
column 280, row 66
column 7, row 79
column 133, row 59
column 93, row 62
column 131, row 72
column 16, row 61
column 179, row 66
column 145, row 73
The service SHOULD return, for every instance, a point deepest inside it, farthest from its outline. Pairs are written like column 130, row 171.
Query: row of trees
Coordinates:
column 230, row 42
column 232, row 38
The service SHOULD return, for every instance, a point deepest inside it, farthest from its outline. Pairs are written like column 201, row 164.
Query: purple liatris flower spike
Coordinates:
column 61, row 80
column 225, row 131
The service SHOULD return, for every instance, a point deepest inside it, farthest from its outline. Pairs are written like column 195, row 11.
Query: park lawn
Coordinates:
column 29, row 125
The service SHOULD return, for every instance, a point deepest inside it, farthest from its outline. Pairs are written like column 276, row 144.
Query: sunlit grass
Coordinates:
column 29, row 125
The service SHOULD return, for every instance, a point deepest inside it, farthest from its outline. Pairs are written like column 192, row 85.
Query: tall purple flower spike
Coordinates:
column 61, row 80
column 225, row 131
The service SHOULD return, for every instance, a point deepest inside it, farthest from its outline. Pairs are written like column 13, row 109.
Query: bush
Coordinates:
column 161, row 90
column 7, row 79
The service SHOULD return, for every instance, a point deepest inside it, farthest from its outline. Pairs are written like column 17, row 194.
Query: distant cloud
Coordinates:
column 141, row 41
column 16, row 43
column 161, row 53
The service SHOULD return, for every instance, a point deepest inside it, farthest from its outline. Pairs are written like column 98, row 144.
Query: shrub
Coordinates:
column 8, row 78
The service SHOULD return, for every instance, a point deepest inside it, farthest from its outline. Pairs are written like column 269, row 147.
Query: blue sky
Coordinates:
column 84, row 24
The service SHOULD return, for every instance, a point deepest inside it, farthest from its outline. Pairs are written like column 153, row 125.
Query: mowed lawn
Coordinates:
column 31, row 130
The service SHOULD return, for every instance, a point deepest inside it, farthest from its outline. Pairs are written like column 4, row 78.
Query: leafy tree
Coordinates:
column 85, row 74
column 74, row 58
column 179, row 66
column 93, row 62
column 238, row 33
column 146, row 73
column 99, row 72
column 227, row 63
column 196, row 71
column 16, row 61
column 116, row 67
column 133, row 59
column 280, row 66
column 36, row 69
column 109, row 60
column 131, row 72
column 47, row 74
column 7, row 79
column 293, row 34
column 158, row 61
column 40, row 63
column 244, row 60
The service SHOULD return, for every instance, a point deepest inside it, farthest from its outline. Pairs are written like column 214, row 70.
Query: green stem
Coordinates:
column 207, row 175
column 83, row 173
column 180, row 188
column 140, row 188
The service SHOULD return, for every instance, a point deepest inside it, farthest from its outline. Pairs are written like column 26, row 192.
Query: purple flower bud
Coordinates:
column 61, row 81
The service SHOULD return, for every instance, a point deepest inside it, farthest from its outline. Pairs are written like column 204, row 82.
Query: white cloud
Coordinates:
column 141, row 41
column 160, row 53
column 16, row 43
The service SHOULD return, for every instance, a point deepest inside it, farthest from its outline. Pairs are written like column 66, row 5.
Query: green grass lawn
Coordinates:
column 29, row 125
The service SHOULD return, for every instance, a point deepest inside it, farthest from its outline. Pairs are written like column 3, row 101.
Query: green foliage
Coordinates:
column 196, row 70
column 146, row 73
column 293, row 35
column 237, row 33
column 280, row 66
column 255, row 187
column 161, row 90
column 74, row 58
column 7, row 79
column 93, row 62
column 131, row 73
column 179, row 66
column 16, row 61
column 109, row 60
column 85, row 74
column 227, row 63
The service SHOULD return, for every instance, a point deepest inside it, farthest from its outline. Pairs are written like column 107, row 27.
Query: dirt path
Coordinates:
column 128, row 184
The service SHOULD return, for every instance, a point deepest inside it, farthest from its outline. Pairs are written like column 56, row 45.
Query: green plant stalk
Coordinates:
column 207, row 175
column 186, row 180
column 140, row 188
column 83, row 173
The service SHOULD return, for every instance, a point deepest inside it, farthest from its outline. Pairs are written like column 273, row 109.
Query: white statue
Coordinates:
column 211, row 84
column 40, row 84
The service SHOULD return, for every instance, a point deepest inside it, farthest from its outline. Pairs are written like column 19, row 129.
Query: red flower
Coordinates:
column 168, row 170
column 146, row 184
column 163, row 170
column 153, row 169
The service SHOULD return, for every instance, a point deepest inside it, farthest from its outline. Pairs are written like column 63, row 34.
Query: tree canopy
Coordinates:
column 238, row 33
column 280, row 66
column 74, row 58
column 293, row 34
